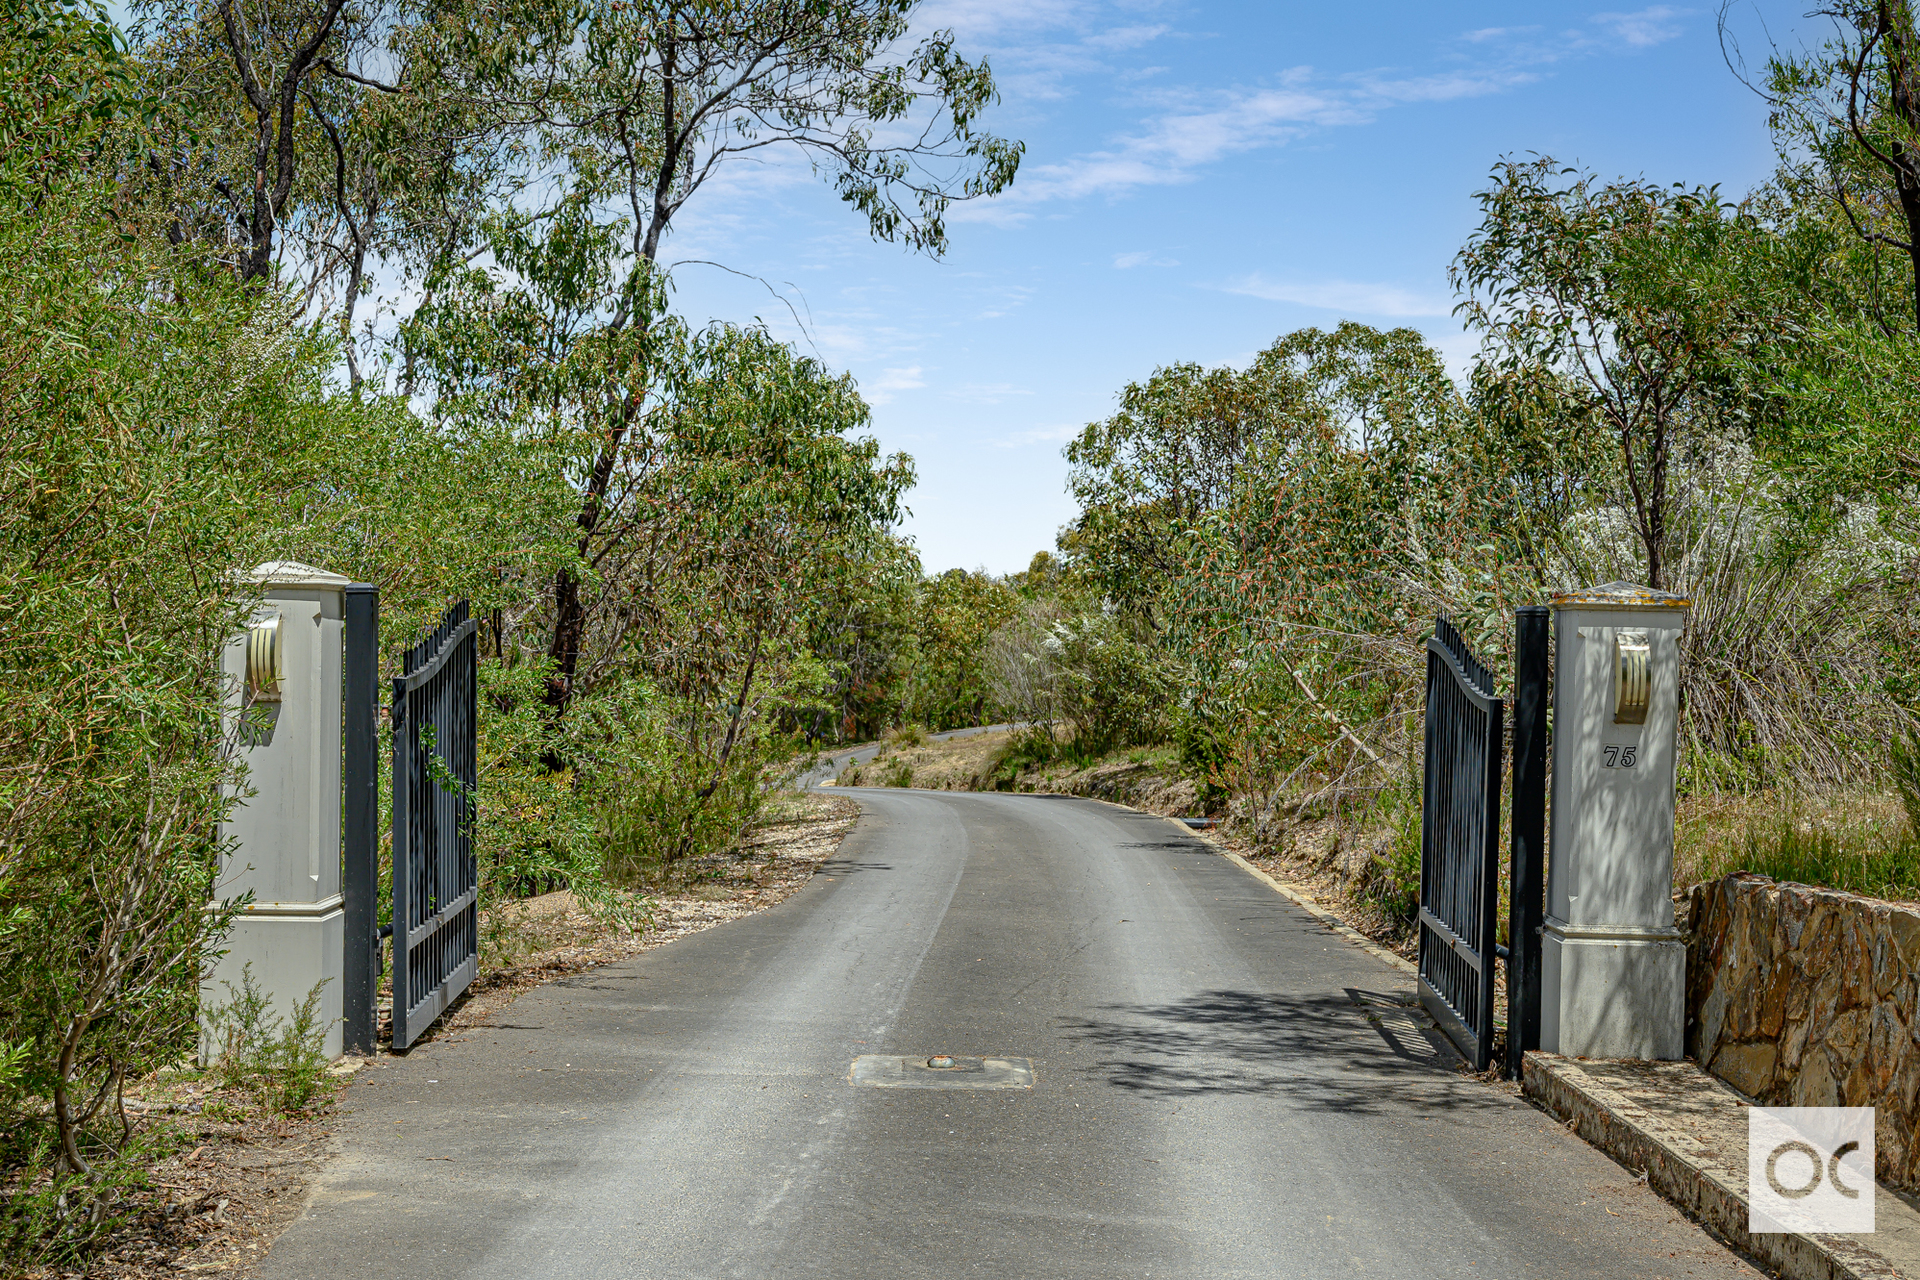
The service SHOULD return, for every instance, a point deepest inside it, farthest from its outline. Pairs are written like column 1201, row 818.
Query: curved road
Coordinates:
column 1222, row 1088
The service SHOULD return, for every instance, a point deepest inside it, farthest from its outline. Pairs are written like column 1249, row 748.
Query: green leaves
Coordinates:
column 1631, row 304
column 64, row 80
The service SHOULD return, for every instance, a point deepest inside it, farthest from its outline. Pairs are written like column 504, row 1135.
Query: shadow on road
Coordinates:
column 1361, row 1052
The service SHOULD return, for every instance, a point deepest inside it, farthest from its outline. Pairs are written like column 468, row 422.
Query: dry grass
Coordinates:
column 232, row 1176
column 1857, row 841
column 955, row 764
column 1145, row 777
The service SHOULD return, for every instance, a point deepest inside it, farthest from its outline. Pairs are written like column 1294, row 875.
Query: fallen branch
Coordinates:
column 1345, row 730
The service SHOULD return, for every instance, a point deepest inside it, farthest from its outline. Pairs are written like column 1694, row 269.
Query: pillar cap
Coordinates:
column 291, row 573
column 1620, row 595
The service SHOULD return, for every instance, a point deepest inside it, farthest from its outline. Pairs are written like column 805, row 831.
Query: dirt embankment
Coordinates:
column 1146, row 779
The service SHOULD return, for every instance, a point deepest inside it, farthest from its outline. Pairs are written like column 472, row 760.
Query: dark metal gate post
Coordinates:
column 360, row 874
column 1527, row 878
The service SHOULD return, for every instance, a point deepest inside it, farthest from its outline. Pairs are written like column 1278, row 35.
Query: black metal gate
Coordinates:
column 435, row 770
column 1460, row 844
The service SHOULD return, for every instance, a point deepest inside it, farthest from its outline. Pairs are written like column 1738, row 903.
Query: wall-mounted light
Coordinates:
column 1632, row 677
column 266, row 660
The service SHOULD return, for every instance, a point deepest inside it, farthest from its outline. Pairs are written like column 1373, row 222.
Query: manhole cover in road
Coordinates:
column 890, row 1071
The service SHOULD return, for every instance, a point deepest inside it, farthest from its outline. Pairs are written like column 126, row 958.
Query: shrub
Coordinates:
column 1112, row 688
column 144, row 406
column 1904, row 766
column 904, row 735
column 663, row 799
column 278, row 1061
column 1390, row 879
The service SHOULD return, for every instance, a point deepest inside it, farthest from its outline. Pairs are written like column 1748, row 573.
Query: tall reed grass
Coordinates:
column 1859, row 842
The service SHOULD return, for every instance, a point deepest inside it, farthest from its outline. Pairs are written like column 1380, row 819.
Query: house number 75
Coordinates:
column 1618, row 757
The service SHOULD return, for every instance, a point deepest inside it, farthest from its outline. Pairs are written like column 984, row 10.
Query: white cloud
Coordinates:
column 1605, row 32
column 881, row 389
column 1444, row 88
column 1039, row 47
column 1644, row 28
column 1126, row 37
column 979, row 19
column 1172, row 147
column 1142, row 258
column 907, row 379
column 1345, row 295
column 1484, row 34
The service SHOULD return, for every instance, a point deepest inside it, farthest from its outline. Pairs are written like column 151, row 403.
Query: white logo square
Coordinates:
column 1809, row 1169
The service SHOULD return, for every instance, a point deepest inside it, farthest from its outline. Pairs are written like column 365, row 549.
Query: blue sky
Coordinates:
column 1200, row 178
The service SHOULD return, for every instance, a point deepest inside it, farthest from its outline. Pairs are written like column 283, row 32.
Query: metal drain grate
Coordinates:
column 890, row 1071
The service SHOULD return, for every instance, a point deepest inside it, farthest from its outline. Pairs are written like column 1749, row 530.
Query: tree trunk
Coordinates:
column 1896, row 25
column 569, row 614
column 273, row 113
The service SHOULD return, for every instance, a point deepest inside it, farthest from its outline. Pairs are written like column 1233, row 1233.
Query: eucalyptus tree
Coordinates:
column 1298, row 511
column 1172, row 454
column 514, row 169
column 621, row 113
column 231, row 81
column 1636, row 298
column 862, row 620
column 1846, row 118
column 954, row 615
column 1845, row 208
column 641, row 103
column 758, row 510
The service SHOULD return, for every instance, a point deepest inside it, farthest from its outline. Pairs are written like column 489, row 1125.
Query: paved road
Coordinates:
column 1223, row 1089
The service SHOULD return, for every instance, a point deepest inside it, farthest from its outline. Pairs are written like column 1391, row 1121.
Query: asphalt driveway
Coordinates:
column 1222, row 1088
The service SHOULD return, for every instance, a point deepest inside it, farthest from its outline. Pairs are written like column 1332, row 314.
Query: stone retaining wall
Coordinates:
column 1807, row 997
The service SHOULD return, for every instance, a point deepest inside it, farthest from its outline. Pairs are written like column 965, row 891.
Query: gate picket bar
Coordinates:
column 1460, row 843
column 435, row 772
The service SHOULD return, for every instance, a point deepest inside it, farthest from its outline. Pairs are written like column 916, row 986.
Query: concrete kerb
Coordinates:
column 1692, row 1151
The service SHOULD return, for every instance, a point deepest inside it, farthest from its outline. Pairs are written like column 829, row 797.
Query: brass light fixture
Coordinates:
column 266, row 660
column 1632, row 677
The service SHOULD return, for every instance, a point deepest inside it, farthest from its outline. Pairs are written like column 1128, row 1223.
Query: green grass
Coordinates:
column 1863, row 858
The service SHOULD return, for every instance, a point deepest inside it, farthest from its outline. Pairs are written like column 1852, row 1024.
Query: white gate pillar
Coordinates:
column 1613, row 967
column 284, row 826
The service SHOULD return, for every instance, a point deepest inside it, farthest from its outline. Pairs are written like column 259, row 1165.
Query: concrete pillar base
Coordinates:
column 291, row 946
column 1613, row 991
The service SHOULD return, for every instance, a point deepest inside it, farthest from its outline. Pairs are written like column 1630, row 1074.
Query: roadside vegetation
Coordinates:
column 1705, row 392
column 379, row 288
column 372, row 287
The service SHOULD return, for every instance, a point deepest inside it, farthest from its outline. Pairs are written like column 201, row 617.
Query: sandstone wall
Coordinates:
column 1807, row 997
